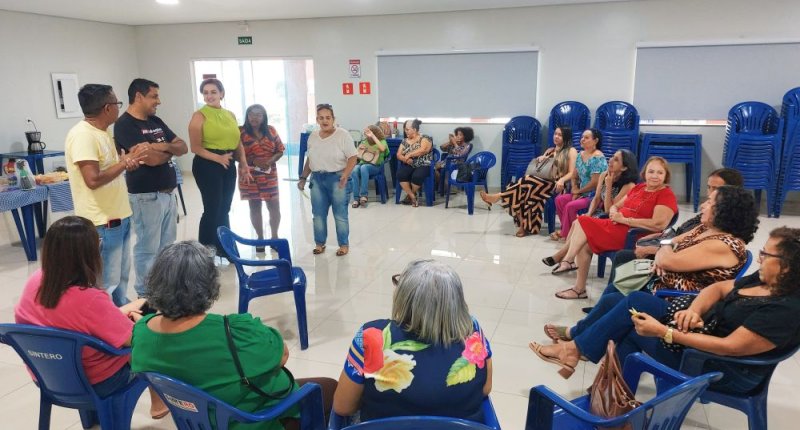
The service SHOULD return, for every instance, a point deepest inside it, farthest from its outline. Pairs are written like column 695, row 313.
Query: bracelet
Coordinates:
column 303, row 178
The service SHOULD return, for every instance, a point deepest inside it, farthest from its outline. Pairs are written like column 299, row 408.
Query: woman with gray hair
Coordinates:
column 430, row 358
column 186, row 342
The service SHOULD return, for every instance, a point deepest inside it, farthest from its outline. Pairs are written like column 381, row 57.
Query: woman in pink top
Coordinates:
column 65, row 293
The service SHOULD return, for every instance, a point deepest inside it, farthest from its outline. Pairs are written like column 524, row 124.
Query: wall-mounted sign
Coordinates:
column 347, row 88
column 245, row 40
column 354, row 70
column 364, row 88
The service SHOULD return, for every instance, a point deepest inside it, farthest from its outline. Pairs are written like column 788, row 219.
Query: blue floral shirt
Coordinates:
column 586, row 169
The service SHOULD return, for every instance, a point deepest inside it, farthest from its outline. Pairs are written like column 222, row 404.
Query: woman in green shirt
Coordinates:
column 371, row 153
column 186, row 342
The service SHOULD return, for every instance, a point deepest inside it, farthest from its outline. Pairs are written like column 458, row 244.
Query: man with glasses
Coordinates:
column 150, row 188
column 98, row 192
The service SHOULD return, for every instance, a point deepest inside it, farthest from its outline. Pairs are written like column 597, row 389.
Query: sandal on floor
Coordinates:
column 521, row 233
column 415, row 203
column 406, row 201
column 343, row 250
column 549, row 261
column 571, row 294
column 555, row 236
column 488, row 203
column 319, row 249
column 570, row 266
column 557, row 332
column 363, row 202
column 566, row 370
column 355, row 204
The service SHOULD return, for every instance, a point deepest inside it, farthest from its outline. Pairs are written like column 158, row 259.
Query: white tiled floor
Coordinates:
column 506, row 286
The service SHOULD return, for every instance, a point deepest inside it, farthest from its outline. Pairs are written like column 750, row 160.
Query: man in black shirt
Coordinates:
column 150, row 188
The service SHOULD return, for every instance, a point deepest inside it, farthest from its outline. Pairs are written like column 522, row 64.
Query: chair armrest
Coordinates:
column 540, row 410
column 308, row 392
column 282, row 245
column 337, row 421
column 667, row 292
column 262, row 263
column 489, row 414
column 693, row 360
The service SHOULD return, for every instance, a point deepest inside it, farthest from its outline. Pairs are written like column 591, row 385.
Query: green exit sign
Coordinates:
column 245, row 40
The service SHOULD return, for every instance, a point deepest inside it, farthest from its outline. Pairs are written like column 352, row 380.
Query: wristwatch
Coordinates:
column 668, row 335
column 667, row 242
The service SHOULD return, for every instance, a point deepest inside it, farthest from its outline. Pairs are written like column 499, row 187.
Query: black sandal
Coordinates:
column 570, row 267
column 549, row 261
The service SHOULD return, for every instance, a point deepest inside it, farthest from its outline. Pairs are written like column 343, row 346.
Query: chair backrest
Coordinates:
column 616, row 115
column 229, row 239
column 417, row 423
column 54, row 357
column 790, row 108
column 190, row 406
column 485, row 159
column 752, row 118
column 747, row 262
column 574, row 114
column 522, row 130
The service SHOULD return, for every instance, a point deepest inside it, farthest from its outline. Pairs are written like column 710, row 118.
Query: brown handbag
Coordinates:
column 609, row 395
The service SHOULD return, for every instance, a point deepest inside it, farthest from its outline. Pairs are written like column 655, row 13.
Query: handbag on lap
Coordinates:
column 545, row 169
column 634, row 275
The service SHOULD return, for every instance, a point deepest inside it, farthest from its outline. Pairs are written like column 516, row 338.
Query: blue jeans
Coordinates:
column 360, row 177
column 118, row 380
column 615, row 324
column 115, row 250
column 154, row 219
column 325, row 194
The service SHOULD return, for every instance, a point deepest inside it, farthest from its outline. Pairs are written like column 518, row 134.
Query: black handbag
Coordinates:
column 243, row 379
column 464, row 172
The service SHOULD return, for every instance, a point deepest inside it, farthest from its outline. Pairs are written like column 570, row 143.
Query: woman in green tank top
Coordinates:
column 214, row 138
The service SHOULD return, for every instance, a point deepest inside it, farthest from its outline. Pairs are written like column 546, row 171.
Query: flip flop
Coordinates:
column 555, row 236
column 570, row 267
column 521, row 233
column 160, row 415
column 566, row 370
column 355, row 204
column 557, row 332
column 549, row 261
column 363, row 202
column 578, row 294
column 319, row 249
column 342, row 251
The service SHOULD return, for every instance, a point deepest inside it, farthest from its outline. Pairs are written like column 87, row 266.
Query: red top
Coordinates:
column 84, row 310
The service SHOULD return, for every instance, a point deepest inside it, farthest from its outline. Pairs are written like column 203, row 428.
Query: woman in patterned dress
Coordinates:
column 262, row 148
column 524, row 200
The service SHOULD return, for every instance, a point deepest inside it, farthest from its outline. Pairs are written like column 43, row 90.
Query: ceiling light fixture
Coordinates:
column 169, row 2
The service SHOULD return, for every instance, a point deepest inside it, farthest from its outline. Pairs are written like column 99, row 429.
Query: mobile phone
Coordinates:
column 633, row 312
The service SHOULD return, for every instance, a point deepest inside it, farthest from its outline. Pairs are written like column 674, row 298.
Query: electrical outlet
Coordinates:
column 28, row 120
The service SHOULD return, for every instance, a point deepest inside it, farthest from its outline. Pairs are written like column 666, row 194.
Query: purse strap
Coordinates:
column 243, row 379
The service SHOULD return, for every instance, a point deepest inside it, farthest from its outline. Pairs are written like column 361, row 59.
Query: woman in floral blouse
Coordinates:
column 430, row 358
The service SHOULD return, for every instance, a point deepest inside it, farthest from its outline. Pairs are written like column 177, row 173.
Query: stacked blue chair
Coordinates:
column 675, row 395
column 520, row 145
column 789, row 176
column 191, row 407
column 54, row 357
column 428, row 187
column 338, row 422
column 754, row 403
column 575, row 115
column 677, row 148
column 753, row 144
column 281, row 277
column 484, row 160
column 619, row 123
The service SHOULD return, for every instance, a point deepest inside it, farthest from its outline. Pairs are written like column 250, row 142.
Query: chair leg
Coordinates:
column 757, row 415
column 302, row 322
column 244, row 300
column 88, row 418
column 601, row 266
column 470, row 191
column 44, row 414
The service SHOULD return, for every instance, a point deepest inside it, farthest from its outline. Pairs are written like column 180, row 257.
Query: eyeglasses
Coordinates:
column 764, row 254
column 119, row 104
column 324, row 106
column 396, row 279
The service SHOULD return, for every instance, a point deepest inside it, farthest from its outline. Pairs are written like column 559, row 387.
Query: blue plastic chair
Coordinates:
column 490, row 421
column 450, row 164
column 669, row 292
column 428, row 187
column 619, row 123
column 754, row 403
column 630, row 243
column 485, row 160
column 54, row 357
column 675, row 395
column 574, row 114
column 521, row 144
column 677, row 148
column 282, row 276
column 789, row 176
column 190, row 406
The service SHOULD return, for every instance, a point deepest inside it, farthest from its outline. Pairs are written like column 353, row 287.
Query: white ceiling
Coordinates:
column 143, row 12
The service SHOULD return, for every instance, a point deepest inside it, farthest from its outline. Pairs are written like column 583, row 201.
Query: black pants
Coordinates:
column 415, row 175
column 217, row 185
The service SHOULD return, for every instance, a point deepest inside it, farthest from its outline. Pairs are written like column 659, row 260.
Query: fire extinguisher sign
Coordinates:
column 354, row 69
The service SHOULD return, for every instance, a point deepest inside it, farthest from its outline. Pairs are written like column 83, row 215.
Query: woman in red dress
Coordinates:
column 649, row 205
column 263, row 148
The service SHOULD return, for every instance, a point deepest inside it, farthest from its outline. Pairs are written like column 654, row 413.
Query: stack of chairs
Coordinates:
column 520, row 145
column 573, row 114
column 789, row 176
column 753, row 143
column 619, row 123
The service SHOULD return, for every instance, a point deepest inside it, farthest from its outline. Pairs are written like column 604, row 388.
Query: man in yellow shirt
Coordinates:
column 98, row 189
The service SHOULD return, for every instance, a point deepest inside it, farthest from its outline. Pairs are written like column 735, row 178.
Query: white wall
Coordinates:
column 34, row 46
column 587, row 51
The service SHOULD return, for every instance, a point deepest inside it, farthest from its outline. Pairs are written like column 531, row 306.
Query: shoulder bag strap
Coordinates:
column 243, row 379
